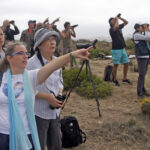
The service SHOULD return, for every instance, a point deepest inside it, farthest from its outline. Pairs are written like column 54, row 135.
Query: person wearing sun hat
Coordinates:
column 47, row 118
column 141, row 36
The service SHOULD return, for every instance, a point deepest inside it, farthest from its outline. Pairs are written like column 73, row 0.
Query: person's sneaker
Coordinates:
column 140, row 95
column 116, row 83
column 127, row 81
column 146, row 93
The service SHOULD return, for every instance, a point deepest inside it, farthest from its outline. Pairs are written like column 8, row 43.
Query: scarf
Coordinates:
column 18, row 138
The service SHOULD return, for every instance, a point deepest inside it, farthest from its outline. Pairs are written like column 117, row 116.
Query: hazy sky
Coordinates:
column 91, row 15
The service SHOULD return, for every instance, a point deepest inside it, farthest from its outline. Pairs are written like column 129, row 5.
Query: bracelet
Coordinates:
column 73, row 59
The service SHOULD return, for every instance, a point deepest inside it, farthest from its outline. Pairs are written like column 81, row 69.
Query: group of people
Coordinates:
column 141, row 38
column 27, row 35
column 29, row 110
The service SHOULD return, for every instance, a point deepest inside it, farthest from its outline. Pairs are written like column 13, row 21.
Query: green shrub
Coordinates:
column 129, row 44
column 84, row 85
column 94, row 53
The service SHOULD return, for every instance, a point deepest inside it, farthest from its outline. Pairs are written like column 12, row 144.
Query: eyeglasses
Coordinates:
column 21, row 53
column 51, row 39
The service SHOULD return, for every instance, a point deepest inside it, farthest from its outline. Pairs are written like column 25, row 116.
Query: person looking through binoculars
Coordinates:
column 66, row 34
column 118, row 51
column 141, row 36
column 10, row 33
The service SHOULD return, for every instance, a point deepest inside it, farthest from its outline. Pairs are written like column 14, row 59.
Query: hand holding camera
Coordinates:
column 145, row 26
column 12, row 22
column 119, row 15
column 61, row 99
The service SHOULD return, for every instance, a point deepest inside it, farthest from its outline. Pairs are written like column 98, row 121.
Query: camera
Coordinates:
column 74, row 26
column 12, row 22
column 81, row 45
column 145, row 24
column 118, row 15
column 60, row 98
column 54, row 27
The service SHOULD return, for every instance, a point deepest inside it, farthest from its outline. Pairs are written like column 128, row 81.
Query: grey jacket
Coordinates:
column 28, row 39
column 140, row 41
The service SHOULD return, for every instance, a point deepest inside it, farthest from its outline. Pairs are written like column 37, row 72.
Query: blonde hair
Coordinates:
column 10, row 48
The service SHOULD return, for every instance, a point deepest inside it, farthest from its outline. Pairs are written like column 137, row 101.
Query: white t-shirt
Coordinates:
column 17, row 83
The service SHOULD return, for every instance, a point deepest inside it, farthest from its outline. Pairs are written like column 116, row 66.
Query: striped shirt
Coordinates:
column 53, row 83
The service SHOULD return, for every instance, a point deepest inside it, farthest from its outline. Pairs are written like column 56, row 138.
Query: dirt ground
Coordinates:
column 122, row 125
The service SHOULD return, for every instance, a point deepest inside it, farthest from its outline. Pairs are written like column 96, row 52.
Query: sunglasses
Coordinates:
column 21, row 53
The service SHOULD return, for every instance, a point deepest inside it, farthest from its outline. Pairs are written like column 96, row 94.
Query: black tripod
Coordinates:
column 88, row 69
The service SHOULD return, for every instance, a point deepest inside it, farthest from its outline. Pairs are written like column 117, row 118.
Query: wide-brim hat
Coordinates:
column 42, row 34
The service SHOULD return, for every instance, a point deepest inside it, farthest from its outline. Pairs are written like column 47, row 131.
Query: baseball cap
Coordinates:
column 136, row 26
column 30, row 21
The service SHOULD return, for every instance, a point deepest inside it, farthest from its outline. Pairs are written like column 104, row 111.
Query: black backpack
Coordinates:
column 108, row 73
column 72, row 135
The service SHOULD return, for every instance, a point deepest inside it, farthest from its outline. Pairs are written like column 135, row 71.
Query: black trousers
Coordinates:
column 142, row 68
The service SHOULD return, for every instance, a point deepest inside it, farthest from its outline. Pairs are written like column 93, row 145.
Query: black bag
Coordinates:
column 72, row 135
column 108, row 73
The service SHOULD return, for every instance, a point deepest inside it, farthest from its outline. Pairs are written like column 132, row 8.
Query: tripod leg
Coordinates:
column 74, row 83
column 95, row 93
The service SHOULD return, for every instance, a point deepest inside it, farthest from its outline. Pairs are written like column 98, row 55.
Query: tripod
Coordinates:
column 86, row 62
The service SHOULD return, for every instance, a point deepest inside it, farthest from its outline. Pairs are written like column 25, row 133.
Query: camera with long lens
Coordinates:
column 74, row 26
column 81, row 45
column 54, row 27
column 12, row 22
column 145, row 24
column 61, row 98
column 118, row 15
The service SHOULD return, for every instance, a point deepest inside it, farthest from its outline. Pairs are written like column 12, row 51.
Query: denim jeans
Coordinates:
column 4, row 141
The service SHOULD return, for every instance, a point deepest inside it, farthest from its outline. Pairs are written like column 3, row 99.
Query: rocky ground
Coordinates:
column 122, row 125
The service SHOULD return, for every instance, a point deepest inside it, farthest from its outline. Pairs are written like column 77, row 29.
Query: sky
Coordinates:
column 91, row 15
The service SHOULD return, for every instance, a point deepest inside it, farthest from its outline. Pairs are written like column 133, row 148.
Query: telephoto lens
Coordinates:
column 75, row 25
column 11, row 22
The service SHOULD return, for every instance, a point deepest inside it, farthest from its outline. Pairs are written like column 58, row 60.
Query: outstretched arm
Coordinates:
column 56, row 20
column 124, row 20
column 57, row 63
column 116, row 25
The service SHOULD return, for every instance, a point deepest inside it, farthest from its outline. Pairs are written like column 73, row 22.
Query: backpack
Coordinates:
column 72, row 135
column 108, row 73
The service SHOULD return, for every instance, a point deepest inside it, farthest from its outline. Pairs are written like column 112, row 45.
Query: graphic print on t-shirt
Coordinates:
column 18, row 89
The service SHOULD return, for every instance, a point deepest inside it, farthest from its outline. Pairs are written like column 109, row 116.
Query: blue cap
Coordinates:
column 30, row 21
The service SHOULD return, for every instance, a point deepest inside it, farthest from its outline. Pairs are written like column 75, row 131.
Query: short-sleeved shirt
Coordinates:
column 17, row 83
column 117, row 38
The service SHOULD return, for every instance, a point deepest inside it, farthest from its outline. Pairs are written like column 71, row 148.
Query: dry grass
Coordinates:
column 122, row 126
